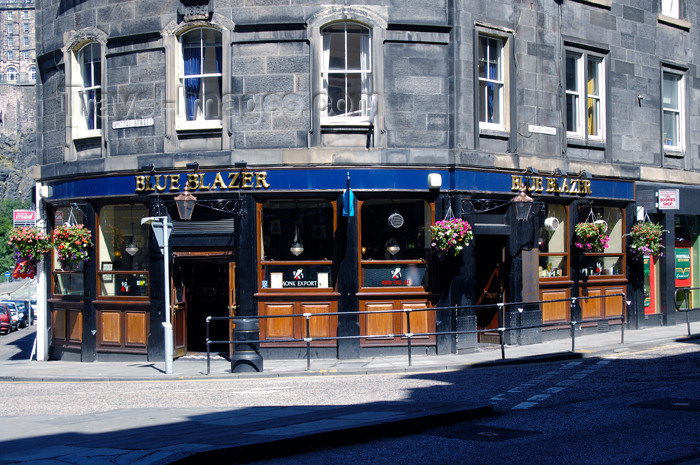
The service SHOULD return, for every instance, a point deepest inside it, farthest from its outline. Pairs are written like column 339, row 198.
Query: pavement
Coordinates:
column 145, row 436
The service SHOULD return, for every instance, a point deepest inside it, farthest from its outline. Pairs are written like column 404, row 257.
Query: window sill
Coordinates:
column 493, row 133
column 674, row 22
column 585, row 143
column 333, row 123
column 601, row 3
column 673, row 153
column 199, row 130
column 87, row 137
column 200, row 127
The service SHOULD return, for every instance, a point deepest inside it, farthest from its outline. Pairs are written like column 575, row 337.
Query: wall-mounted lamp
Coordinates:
column 150, row 168
column 434, row 181
column 192, row 166
column 585, row 174
column 185, row 204
column 523, row 205
column 558, row 172
column 531, row 170
column 640, row 97
column 241, row 164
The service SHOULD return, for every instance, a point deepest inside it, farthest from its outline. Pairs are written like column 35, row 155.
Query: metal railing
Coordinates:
column 686, row 298
column 408, row 335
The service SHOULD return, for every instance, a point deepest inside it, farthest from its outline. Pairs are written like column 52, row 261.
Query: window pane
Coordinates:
column 489, row 56
column 571, row 106
column 356, row 105
column 380, row 219
column 593, row 77
column 593, row 112
column 305, row 222
column 336, row 48
column 123, row 241
column 553, row 236
column 671, row 128
column 670, row 90
column 336, row 95
column 613, row 217
column 358, row 47
column 572, row 72
column 212, row 101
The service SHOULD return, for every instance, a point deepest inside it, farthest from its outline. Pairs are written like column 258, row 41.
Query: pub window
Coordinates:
column 200, row 79
column 68, row 282
column 553, row 242
column 395, row 242
column 297, row 244
column 123, row 251
column 610, row 261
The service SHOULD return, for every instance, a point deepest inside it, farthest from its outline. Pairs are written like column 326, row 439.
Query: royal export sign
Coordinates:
column 234, row 180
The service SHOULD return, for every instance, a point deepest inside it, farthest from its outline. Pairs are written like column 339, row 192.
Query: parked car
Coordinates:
column 23, row 309
column 32, row 305
column 14, row 315
column 5, row 319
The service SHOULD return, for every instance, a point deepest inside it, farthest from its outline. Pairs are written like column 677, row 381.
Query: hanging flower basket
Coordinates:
column 591, row 237
column 450, row 236
column 30, row 245
column 645, row 239
column 72, row 244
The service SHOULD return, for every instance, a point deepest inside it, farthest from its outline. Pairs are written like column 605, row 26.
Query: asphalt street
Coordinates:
column 611, row 403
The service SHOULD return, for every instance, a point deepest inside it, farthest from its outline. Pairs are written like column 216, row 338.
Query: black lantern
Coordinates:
column 185, row 204
column 523, row 205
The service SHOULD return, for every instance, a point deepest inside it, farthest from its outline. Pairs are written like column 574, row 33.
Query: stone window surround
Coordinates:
column 372, row 18
column 171, row 40
column 503, row 130
column 77, row 40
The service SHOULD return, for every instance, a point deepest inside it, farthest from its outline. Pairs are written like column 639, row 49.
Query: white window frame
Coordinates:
column 677, row 112
column 10, row 42
column 26, row 14
column 365, row 114
column 498, row 83
column 11, row 74
column 580, row 95
column 9, row 15
column 26, row 27
column 31, row 73
column 26, row 41
column 10, row 55
column 200, row 121
column 86, row 84
column 9, row 28
column 25, row 54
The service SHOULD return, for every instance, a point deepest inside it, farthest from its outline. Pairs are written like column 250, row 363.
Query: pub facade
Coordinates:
column 317, row 145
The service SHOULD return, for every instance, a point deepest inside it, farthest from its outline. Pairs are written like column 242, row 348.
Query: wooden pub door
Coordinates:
column 490, row 286
column 202, row 287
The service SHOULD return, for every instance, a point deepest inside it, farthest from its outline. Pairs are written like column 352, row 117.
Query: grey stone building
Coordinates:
column 17, row 66
column 320, row 141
